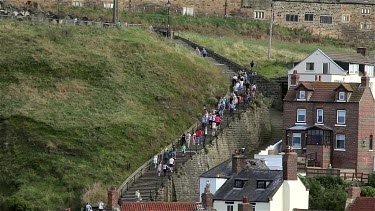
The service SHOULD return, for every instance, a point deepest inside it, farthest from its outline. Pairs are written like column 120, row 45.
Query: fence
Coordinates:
column 360, row 177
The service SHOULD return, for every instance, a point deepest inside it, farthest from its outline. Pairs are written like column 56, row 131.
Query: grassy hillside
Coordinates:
column 243, row 49
column 77, row 104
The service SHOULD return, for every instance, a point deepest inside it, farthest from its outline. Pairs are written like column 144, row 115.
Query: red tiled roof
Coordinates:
column 363, row 204
column 161, row 206
column 325, row 91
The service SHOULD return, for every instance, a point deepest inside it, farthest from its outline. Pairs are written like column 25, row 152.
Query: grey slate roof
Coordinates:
column 224, row 170
column 227, row 192
column 349, row 57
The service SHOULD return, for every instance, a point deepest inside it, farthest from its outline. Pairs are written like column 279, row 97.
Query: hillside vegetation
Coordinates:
column 78, row 104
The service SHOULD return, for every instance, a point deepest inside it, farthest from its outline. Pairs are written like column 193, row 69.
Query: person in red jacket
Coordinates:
column 218, row 120
column 199, row 136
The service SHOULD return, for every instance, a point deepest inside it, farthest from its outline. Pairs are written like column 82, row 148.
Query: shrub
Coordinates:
column 368, row 191
column 371, row 180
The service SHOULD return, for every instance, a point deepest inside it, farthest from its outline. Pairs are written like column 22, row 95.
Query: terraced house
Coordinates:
column 334, row 18
column 332, row 124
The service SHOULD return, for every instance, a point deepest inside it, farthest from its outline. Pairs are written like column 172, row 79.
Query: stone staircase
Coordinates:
column 149, row 182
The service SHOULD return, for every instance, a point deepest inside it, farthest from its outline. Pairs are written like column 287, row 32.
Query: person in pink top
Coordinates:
column 218, row 120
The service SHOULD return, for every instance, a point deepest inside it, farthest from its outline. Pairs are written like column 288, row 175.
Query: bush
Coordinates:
column 371, row 180
column 15, row 203
column 368, row 191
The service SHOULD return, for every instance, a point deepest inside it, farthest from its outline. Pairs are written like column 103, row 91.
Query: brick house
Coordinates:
column 331, row 123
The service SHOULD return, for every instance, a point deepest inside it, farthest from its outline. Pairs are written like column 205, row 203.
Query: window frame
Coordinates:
column 291, row 18
column 302, row 94
column 365, row 26
column 337, row 117
column 371, row 142
column 310, row 64
column 369, row 69
column 309, row 16
column 341, row 96
column 301, row 121
column 297, row 135
column 317, row 116
column 326, row 19
column 328, row 66
column 77, row 3
column 261, row 17
column 344, row 17
column 337, row 143
column 353, row 69
column 366, row 11
column 239, row 183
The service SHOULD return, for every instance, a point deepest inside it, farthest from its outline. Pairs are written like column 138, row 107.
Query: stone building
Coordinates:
column 332, row 124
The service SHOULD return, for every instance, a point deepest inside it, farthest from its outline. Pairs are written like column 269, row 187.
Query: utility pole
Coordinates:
column 225, row 8
column 270, row 36
column 115, row 12
column 168, row 6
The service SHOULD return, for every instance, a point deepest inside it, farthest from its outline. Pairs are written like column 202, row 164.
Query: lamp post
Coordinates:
column 168, row 6
column 225, row 8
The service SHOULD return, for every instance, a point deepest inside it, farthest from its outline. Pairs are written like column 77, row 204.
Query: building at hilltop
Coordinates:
column 334, row 18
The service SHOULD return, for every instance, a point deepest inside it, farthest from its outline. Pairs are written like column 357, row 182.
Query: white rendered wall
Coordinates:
column 221, row 206
column 262, row 206
column 295, row 195
column 277, row 200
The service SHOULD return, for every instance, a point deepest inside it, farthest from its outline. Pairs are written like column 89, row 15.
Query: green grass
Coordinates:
column 79, row 103
column 242, row 51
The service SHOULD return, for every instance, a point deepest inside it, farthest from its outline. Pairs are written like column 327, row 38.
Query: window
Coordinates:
column 301, row 115
column 229, row 207
column 319, row 116
column 369, row 70
column 341, row 117
column 365, row 11
column 309, row 66
column 326, row 19
column 77, row 4
column 108, row 5
column 340, row 141
column 292, row 18
column 371, row 142
column 258, row 14
column 188, row 11
column 296, row 141
column 302, row 94
column 239, row 183
column 345, row 18
column 309, row 17
column 341, row 96
column 353, row 68
column 325, row 68
column 246, row 3
column 365, row 26
column 262, row 184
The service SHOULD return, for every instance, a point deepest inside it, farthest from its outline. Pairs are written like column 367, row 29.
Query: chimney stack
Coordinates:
column 113, row 198
column 245, row 206
column 365, row 81
column 363, row 51
column 294, row 78
column 208, row 197
column 238, row 162
column 290, row 165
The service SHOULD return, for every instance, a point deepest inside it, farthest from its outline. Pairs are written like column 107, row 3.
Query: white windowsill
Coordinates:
column 300, row 123
column 296, row 147
column 300, row 99
column 342, row 150
column 370, row 150
column 341, row 101
column 338, row 125
column 319, row 123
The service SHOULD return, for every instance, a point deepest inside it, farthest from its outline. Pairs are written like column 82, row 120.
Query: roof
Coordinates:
column 363, row 204
column 349, row 57
column 224, row 170
column 227, row 192
column 325, row 91
column 306, row 127
column 161, row 206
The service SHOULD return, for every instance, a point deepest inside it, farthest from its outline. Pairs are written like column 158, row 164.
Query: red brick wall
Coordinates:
column 366, row 126
column 341, row 159
column 323, row 154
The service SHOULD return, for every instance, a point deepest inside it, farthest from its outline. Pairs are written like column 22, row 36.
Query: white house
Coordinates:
column 334, row 67
column 266, row 190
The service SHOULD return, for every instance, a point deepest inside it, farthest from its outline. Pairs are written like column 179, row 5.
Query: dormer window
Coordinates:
column 341, row 96
column 302, row 94
column 309, row 66
column 239, row 183
column 262, row 184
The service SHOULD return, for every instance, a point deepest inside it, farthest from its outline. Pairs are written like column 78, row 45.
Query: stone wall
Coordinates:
column 247, row 131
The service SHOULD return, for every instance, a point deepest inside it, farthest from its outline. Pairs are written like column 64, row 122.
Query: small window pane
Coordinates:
column 292, row 18
column 309, row 17
column 301, row 115
column 310, row 66
column 325, row 68
column 302, row 94
column 340, row 141
column 326, row 19
column 341, row 95
column 296, row 142
column 341, row 117
column 319, row 114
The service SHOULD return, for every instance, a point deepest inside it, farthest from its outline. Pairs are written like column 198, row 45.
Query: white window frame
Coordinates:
column 353, row 69
column 77, row 3
column 340, row 137
column 337, row 117
column 230, row 207
column 346, row 18
column 259, row 14
column 369, row 69
column 319, row 110
column 341, row 96
column 365, row 11
column 326, row 19
column 302, row 94
column 304, row 111
column 365, row 25
column 297, row 135
column 108, row 5
column 328, row 67
column 313, row 66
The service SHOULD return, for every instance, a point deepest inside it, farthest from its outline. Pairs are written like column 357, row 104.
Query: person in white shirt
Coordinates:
column 171, row 164
column 88, row 207
column 101, row 205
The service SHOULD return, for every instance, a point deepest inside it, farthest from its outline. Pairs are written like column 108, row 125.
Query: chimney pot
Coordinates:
column 365, row 81
column 363, row 51
column 245, row 200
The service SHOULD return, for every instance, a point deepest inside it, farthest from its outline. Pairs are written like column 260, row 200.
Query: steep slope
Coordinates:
column 78, row 104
